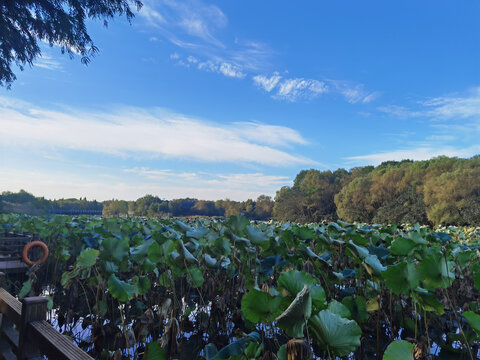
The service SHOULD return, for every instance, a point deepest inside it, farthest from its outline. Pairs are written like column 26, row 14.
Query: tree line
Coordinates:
column 439, row 191
column 148, row 205
column 153, row 206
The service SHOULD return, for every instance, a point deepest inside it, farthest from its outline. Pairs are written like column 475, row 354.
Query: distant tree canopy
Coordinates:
column 61, row 22
column 442, row 190
column 311, row 198
column 153, row 206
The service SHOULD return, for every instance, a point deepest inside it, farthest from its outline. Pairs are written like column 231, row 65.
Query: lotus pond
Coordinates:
column 127, row 288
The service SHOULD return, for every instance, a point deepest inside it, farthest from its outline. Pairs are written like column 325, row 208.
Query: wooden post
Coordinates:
column 33, row 309
column 2, row 280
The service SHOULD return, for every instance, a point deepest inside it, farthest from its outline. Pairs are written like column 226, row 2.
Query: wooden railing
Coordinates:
column 24, row 333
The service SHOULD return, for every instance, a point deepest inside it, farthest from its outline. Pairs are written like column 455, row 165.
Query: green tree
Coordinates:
column 454, row 197
column 115, row 208
column 61, row 22
column 353, row 201
column 264, row 207
column 290, row 205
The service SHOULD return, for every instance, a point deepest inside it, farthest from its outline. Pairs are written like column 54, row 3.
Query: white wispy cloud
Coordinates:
column 441, row 108
column 267, row 83
column 420, row 153
column 257, row 182
column 294, row 89
column 152, row 133
column 224, row 68
column 47, row 62
column 189, row 18
column 353, row 93
column 299, row 88
column 451, row 107
column 454, row 127
column 195, row 27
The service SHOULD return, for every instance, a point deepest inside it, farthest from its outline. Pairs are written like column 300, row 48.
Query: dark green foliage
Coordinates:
column 233, row 289
column 24, row 23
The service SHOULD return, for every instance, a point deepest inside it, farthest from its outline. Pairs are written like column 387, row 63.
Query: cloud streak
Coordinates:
column 295, row 89
column 455, row 124
column 47, row 62
column 148, row 133
column 441, row 108
column 418, row 153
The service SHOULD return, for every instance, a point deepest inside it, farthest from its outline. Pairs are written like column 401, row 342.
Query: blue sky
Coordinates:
column 231, row 99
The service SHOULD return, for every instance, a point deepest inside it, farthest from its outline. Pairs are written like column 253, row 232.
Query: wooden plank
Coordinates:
column 53, row 344
column 11, row 336
column 10, row 307
column 5, row 352
column 12, row 264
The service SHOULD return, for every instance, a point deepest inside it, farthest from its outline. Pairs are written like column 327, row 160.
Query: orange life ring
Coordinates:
column 27, row 248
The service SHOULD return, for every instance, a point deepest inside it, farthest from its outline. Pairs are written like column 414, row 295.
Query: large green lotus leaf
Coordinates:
column 476, row 275
column 282, row 352
column 240, row 241
column 428, row 301
column 417, row 238
column 154, row 351
column 401, row 278
column 195, row 277
column 361, row 251
column 268, row 264
column 399, row 350
column 259, row 306
column 304, row 233
column 380, row 251
column 293, row 319
column 402, row 246
column 143, row 285
column 331, row 332
column 154, row 252
column 68, row 276
column 375, row 264
column 473, row 320
column 120, row 289
column 293, row 281
column 253, row 350
column 318, row 296
column 183, row 227
column 306, row 250
column 236, row 348
column 357, row 307
column 336, row 227
column 141, row 251
column 87, row 258
column 187, row 255
column 238, row 224
column 114, row 249
column 257, row 236
column 210, row 261
column 338, row 308
column 210, row 351
column 197, row 233
column 27, row 286
column 436, row 272
column 222, row 246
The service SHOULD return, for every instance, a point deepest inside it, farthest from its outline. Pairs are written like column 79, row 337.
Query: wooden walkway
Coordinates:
column 11, row 246
column 24, row 333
